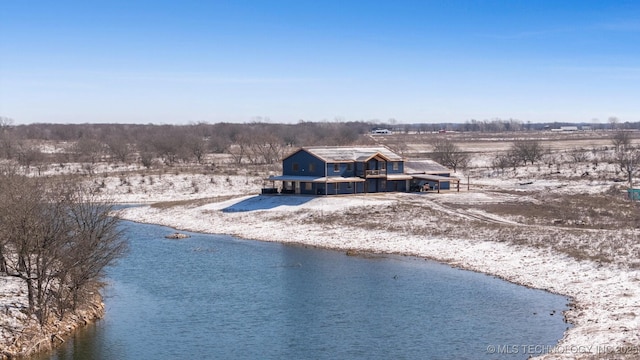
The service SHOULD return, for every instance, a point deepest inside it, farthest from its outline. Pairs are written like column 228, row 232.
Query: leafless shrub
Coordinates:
column 146, row 158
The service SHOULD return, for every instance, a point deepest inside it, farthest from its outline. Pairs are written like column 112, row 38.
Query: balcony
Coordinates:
column 375, row 173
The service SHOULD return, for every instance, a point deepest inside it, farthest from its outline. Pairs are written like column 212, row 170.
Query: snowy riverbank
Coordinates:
column 606, row 296
column 21, row 335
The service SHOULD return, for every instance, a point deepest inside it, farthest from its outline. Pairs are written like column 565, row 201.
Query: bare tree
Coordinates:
column 29, row 155
column 579, row 155
column 119, row 148
column 628, row 160
column 449, row 154
column 237, row 152
column 265, row 148
column 146, row 151
column 501, row 162
column 169, row 144
column 22, row 217
column 5, row 123
column 527, row 151
column 88, row 150
column 94, row 243
column 219, row 144
column 398, row 145
column 7, row 185
column 197, row 147
column 613, row 122
column 57, row 239
column 621, row 140
column 7, row 145
column 7, row 140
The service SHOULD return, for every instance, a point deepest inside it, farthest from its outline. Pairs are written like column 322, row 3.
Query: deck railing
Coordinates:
column 369, row 173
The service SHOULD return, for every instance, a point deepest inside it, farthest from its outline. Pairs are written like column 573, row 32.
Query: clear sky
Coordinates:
column 178, row 62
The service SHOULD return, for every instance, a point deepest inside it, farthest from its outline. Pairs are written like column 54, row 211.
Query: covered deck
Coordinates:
column 326, row 185
column 438, row 179
column 292, row 184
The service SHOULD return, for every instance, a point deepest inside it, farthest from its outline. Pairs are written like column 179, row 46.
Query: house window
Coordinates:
column 295, row 167
column 336, row 167
column 312, row 167
column 349, row 186
column 349, row 167
column 383, row 165
column 396, row 166
column 308, row 186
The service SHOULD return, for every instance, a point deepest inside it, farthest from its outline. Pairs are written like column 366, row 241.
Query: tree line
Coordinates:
column 56, row 237
column 255, row 143
column 258, row 142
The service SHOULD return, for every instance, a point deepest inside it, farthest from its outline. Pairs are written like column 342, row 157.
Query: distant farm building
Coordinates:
column 381, row 132
column 566, row 128
column 353, row 170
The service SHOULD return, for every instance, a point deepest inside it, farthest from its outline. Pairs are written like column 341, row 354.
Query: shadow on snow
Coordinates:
column 266, row 202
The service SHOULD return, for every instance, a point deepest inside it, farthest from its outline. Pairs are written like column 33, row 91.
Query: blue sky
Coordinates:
column 178, row 62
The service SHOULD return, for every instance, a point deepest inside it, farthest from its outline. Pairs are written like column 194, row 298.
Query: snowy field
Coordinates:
column 560, row 225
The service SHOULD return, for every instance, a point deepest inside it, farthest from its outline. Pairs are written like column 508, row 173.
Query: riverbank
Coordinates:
column 604, row 291
column 22, row 336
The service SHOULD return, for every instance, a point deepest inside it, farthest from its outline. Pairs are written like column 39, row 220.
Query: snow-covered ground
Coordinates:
column 606, row 297
column 13, row 303
column 450, row 227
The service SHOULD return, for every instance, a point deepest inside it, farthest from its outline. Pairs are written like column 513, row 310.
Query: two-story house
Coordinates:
column 343, row 170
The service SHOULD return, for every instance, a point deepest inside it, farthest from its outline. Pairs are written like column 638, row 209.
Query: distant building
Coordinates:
column 381, row 132
column 566, row 128
column 353, row 170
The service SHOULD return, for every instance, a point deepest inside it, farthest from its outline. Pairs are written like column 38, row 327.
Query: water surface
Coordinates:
column 219, row 297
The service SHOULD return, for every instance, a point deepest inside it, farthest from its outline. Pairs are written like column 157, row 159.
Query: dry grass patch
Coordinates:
column 163, row 205
column 582, row 242
column 592, row 211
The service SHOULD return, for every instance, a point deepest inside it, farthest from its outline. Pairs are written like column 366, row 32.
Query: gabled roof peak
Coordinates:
column 352, row 153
